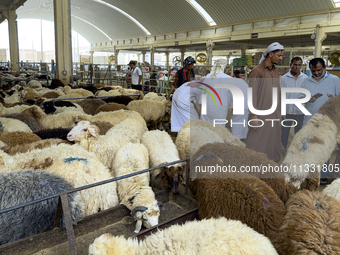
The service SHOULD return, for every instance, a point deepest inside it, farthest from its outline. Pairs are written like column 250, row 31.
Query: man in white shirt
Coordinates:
column 239, row 126
column 292, row 79
column 136, row 76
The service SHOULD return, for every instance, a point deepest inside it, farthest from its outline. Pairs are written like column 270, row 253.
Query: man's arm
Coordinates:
column 140, row 79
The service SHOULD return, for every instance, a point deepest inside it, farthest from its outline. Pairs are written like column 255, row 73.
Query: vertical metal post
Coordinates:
column 68, row 224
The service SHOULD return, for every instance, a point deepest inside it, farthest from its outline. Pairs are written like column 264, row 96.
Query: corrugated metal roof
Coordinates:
column 236, row 11
column 164, row 16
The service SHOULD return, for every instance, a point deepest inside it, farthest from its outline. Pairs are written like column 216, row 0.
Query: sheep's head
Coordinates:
column 148, row 216
column 83, row 130
column 170, row 175
column 48, row 107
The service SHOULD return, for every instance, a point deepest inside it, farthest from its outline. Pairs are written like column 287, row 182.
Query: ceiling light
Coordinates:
column 203, row 13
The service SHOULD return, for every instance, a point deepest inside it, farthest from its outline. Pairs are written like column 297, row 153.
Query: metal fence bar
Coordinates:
column 74, row 98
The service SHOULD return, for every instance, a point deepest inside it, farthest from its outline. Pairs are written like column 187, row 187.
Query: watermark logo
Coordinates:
column 238, row 100
column 209, row 93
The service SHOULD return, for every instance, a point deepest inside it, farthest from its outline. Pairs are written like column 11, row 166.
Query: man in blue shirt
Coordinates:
column 293, row 79
column 320, row 82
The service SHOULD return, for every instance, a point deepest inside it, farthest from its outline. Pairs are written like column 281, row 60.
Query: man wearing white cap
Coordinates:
column 263, row 78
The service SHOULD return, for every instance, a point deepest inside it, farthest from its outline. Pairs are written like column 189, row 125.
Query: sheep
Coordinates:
column 223, row 132
column 90, row 105
column 22, row 148
column 111, row 107
column 208, row 236
column 71, row 95
column 239, row 197
column 15, row 109
column 162, row 150
column 131, row 92
column 24, row 186
column 153, row 96
column 135, row 192
column 30, row 121
column 313, row 145
column 189, row 140
column 105, row 147
column 73, row 163
column 11, row 125
column 101, row 93
column 63, row 119
column 114, row 92
column 12, row 99
column 30, row 94
column 34, row 84
column 55, row 83
column 125, row 100
column 98, row 86
column 54, row 133
column 51, row 94
column 18, row 138
column 152, row 111
column 66, row 119
column 2, row 101
column 333, row 190
column 253, row 163
column 82, row 92
column 311, row 225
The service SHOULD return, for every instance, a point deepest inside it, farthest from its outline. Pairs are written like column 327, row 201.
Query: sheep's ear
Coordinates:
column 93, row 131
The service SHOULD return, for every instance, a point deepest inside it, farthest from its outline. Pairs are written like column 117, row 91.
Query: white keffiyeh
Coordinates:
column 274, row 46
column 218, row 67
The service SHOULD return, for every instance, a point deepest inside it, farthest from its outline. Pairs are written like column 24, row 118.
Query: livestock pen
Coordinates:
column 178, row 208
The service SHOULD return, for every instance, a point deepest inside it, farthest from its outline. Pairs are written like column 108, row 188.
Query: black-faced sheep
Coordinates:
column 194, row 237
column 111, row 107
column 25, row 186
column 311, row 225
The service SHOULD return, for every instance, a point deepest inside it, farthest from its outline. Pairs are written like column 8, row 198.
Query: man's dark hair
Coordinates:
column 296, row 59
column 236, row 71
column 274, row 51
column 315, row 61
column 132, row 62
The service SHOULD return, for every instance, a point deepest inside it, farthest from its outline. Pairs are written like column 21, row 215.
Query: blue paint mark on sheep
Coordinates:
column 304, row 144
column 70, row 159
column 319, row 206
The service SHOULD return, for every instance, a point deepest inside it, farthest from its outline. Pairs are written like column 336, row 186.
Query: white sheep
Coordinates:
column 223, row 132
column 10, row 110
column 310, row 148
column 135, row 192
column 76, row 165
column 34, row 84
column 208, row 236
column 151, row 110
column 162, row 150
column 15, row 98
column 106, row 146
column 11, row 125
column 333, row 190
column 82, row 92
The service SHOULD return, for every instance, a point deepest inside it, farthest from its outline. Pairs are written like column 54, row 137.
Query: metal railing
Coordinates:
column 63, row 205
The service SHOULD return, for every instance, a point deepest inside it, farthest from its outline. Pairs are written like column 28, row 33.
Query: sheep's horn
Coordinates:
column 137, row 209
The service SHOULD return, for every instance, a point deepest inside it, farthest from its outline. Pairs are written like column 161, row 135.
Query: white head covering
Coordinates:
column 218, row 67
column 274, row 46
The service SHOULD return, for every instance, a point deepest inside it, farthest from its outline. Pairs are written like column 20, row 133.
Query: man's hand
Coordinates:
column 329, row 96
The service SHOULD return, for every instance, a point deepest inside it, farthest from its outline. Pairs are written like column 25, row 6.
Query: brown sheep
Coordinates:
column 311, row 225
column 103, row 126
column 29, row 120
column 243, row 198
column 51, row 94
column 111, row 107
column 243, row 157
column 98, row 86
column 90, row 105
column 18, row 138
column 22, row 148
